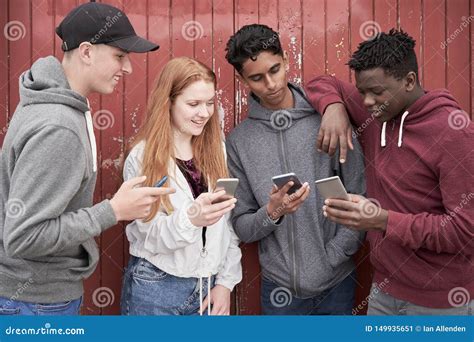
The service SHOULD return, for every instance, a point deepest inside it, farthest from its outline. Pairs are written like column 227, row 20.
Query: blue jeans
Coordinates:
column 147, row 290
column 338, row 300
column 14, row 307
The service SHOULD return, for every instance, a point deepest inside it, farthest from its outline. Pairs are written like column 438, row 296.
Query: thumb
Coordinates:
column 133, row 182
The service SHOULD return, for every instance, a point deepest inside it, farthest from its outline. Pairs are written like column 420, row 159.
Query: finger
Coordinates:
column 155, row 192
column 349, row 138
column 296, row 204
column 274, row 189
column 134, row 182
column 216, row 308
column 342, row 149
column 221, row 205
column 284, row 189
column 339, row 214
column 334, row 141
column 319, row 140
column 344, row 222
column 215, row 195
column 355, row 198
column 214, row 217
column 294, row 197
column 340, row 204
column 326, row 141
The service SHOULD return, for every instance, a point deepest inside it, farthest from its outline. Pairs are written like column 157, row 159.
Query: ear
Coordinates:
column 85, row 52
column 242, row 79
column 410, row 81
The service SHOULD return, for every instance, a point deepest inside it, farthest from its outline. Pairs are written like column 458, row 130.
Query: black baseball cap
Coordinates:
column 99, row 23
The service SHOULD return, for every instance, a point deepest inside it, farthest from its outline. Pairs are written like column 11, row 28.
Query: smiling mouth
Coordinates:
column 199, row 123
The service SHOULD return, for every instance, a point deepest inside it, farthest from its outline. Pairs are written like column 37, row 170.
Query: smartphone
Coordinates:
column 227, row 184
column 332, row 187
column 281, row 180
column 162, row 181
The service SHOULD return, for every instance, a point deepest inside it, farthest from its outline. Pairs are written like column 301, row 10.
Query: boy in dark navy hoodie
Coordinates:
column 419, row 167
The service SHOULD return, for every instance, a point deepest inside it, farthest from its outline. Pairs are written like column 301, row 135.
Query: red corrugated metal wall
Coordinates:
column 318, row 34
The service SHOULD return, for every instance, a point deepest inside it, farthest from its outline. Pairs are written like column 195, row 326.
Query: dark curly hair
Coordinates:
column 394, row 52
column 249, row 41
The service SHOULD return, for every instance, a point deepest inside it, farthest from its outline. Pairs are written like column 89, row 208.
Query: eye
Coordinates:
column 256, row 78
column 193, row 104
column 274, row 70
column 210, row 103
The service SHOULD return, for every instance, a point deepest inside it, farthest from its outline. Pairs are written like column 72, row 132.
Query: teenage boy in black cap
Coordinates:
column 48, row 167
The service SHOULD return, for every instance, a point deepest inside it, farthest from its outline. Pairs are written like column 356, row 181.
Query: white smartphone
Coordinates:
column 332, row 187
column 281, row 180
column 227, row 184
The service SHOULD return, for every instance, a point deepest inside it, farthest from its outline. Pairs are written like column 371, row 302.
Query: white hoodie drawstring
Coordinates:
column 208, row 296
column 400, row 133
column 382, row 136
column 383, row 141
column 90, row 131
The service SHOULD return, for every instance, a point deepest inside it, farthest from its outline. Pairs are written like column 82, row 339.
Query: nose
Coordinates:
column 369, row 101
column 270, row 83
column 204, row 111
column 126, row 65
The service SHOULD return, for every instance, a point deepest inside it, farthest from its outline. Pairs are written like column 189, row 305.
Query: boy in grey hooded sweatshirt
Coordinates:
column 306, row 260
column 48, row 168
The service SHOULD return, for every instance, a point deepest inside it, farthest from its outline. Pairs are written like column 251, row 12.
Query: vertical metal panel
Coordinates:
column 319, row 36
column 433, row 45
column 458, row 61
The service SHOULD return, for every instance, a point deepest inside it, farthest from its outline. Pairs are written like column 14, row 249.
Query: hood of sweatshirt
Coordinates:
column 425, row 105
column 46, row 82
column 281, row 119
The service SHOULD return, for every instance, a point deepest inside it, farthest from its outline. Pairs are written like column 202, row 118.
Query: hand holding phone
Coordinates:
column 227, row 184
column 332, row 187
column 281, row 180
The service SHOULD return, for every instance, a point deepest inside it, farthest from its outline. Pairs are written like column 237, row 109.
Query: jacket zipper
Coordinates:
column 291, row 223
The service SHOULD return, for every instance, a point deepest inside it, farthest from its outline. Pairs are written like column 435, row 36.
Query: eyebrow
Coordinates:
column 273, row 66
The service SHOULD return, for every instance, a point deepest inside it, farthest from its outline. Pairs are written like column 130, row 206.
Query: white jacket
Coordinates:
column 173, row 244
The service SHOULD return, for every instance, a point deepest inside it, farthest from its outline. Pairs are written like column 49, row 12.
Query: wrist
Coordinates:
column 382, row 220
column 271, row 214
column 115, row 209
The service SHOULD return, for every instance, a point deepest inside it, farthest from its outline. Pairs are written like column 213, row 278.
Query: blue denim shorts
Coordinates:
column 14, row 307
column 147, row 290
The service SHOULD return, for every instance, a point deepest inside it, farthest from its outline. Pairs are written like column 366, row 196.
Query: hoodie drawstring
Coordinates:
column 383, row 141
column 208, row 296
column 90, row 131
column 400, row 133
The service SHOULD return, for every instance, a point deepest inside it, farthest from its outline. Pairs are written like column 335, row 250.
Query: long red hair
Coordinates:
column 156, row 130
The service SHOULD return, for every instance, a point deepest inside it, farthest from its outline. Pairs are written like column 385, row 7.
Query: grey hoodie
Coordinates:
column 47, row 221
column 305, row 252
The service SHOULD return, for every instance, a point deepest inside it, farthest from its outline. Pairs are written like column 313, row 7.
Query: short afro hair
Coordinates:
column 393, row 52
